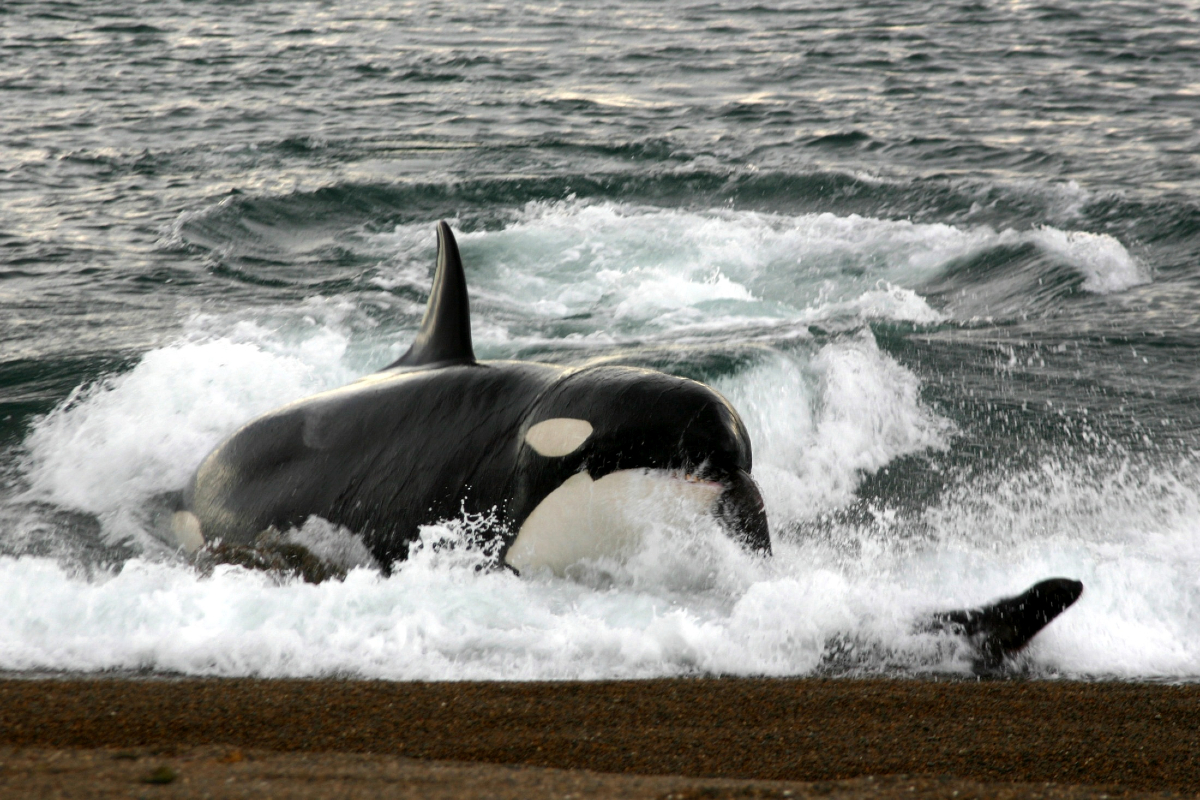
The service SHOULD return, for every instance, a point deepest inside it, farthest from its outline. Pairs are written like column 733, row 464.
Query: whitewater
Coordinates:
column 570, row 281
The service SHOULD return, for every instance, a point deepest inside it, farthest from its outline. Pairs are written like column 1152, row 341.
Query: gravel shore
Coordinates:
column 852, row 738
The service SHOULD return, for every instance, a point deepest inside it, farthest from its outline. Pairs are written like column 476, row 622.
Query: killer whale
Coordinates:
column 556, row 454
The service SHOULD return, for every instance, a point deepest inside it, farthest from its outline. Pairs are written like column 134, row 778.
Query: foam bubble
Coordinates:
column 888, row 302
column 138, row 433
column 436, row 617
column 1128, row 531
column 633, row 270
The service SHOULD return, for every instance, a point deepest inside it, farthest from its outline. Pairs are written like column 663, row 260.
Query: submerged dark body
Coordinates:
column 437, row 434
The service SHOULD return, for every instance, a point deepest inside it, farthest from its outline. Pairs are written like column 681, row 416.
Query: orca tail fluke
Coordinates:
column 445, row 334
column 999, row 630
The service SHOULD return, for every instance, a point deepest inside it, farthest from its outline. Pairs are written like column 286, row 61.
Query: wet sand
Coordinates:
column 821, row 737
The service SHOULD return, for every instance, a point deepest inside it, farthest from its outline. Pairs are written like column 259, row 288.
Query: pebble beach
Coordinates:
column 719, row 737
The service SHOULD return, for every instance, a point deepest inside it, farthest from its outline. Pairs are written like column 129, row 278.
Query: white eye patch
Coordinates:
column 559, row 436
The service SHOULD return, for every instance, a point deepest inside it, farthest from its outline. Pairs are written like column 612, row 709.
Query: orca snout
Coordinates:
column 741, row 512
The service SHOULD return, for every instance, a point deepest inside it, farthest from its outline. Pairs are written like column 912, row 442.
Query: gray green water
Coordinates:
column 945, row 258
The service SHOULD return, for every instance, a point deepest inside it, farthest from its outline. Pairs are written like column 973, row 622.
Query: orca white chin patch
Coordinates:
column 586, row 519
column 558, row 437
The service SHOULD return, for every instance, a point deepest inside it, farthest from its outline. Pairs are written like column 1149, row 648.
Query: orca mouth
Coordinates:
column 738, row 507
column 741, row 512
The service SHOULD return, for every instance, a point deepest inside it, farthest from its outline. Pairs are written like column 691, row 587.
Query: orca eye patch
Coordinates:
column 559, row 436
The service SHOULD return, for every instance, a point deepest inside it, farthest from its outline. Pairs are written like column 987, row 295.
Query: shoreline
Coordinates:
column 1131, row 737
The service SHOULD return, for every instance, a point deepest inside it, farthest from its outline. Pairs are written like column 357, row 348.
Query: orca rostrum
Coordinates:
column 565, row 459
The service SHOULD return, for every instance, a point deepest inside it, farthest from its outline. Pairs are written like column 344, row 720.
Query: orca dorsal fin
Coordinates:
column 445, row 334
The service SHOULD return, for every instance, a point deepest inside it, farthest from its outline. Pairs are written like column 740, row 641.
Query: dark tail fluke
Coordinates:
column 1001, row 629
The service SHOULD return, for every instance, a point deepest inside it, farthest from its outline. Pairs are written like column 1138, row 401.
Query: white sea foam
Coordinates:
column 702, row 608
column 819, row 425
column 113, row 445
column 636, row 270
column 1106, row 265
column 821, row 416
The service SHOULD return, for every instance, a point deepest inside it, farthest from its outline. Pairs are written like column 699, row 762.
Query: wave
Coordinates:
column 793, row 313
column 841, row 594
column 489, row 200
column 574, row 266
column 682, row 605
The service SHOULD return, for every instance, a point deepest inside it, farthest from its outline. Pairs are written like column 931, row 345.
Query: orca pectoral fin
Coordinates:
column 999, row 630
column 445, row 334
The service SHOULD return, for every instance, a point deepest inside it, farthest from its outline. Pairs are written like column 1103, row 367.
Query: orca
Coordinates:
column 564, row 459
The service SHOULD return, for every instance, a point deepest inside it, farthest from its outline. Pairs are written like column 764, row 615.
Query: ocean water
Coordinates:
column 944, row 259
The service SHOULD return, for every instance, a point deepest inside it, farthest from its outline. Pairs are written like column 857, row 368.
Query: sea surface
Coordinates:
column 943, row 257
